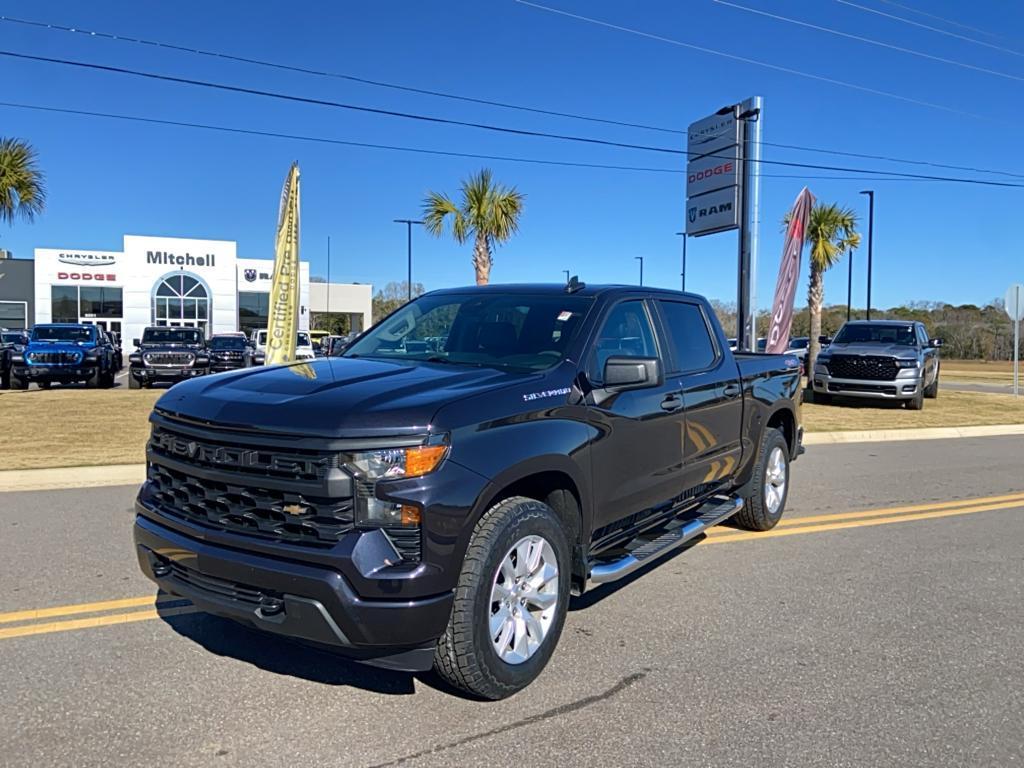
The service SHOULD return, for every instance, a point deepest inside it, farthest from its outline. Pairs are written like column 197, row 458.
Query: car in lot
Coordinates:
column 11, row 343
column 881, row 360
column 168, row 355
column 230, row 351
column 303, row 344
column 114, row 340
column 64, row 353
column 414, row 508
column 798, row 347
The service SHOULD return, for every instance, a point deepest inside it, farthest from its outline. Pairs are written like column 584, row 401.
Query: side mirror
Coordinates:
column 136, row 342
column 625, row 373
column 935, row 342
column 824, row 340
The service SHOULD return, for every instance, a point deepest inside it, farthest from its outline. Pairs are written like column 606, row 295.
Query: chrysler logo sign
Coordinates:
column 87, row 259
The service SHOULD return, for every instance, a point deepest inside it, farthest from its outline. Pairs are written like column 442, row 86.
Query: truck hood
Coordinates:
column 883, row 350
column 333, row 397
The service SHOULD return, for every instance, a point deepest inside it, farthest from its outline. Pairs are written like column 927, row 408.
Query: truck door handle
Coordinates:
column 672, row 403
column 731, row 390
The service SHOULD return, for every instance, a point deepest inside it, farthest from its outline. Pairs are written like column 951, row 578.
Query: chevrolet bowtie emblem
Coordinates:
column 295, row 509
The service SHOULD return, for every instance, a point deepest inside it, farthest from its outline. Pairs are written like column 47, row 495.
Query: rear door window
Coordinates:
column 689, row 337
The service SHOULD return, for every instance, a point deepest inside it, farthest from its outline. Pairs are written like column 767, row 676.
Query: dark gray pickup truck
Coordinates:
column 432, row 496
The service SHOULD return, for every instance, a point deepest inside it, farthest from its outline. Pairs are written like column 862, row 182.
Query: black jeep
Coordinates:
column 168, row 355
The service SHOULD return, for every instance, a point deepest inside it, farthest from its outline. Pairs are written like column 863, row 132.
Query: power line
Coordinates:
column 951, row 22
column 420, row 150
column 919, row 25
column 336, row 75
column 474, row 100
column 758, row 63
column 467, row 124
column 872, row 41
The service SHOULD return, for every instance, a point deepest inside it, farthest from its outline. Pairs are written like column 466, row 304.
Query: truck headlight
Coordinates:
column 371, row 467
column 906, row 363
column 134, row 358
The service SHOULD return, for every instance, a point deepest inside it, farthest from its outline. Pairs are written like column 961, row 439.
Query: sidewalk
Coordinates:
column 893, row 435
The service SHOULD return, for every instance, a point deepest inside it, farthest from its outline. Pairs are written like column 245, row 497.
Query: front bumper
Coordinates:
column 54, row 372
column 900, row 388
column 287, row 597
column 167, row 374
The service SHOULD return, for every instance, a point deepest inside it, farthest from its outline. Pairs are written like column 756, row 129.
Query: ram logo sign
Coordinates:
column 714, row 212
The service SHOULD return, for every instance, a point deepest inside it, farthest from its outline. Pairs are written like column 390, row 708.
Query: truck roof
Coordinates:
column 559, row 288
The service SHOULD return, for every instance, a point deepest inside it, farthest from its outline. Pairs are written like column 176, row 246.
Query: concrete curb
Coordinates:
column 71, row 477
column 895, row 435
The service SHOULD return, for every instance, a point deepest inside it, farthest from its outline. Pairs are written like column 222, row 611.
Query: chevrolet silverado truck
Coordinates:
column 167, row 355
column 879, row 359
column 418, row 507
column 64, row 353
column 230, row 351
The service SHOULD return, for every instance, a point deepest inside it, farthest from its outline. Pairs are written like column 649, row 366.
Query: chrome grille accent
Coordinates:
column 170, row 359
column 56, row 357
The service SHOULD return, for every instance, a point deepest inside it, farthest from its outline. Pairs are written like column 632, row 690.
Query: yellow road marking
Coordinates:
column 94, row 621
column 71, row 610
column 881, row 512
column 801, row 525
column 776, row 532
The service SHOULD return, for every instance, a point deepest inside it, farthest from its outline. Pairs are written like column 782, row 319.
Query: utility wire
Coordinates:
column 474, row 100
column 944, row 20
column 871, row 41
column 919, row 25
column 758, row 63
column 482, row 126
column 397, row 148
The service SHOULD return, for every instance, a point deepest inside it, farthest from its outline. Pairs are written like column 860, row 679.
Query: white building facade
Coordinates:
column 169, row 281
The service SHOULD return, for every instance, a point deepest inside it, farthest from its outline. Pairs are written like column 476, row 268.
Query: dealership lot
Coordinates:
column 861, row 632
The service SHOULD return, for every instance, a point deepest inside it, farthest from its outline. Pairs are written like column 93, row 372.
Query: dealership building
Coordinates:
column 174, row 281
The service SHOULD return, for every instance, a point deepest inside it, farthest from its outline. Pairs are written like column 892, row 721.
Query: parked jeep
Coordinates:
column 64, row 353
column 879, row 359
column 168, row 355
column 11, row 343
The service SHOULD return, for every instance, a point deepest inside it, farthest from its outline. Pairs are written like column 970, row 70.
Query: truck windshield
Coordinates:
column 172, row 336
column 876, row 334
column 505, row 330
column 11, row 338
column 63, row 333
column 227, row 342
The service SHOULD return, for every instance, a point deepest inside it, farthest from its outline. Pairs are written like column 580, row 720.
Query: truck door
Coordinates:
column 707, row 380
column 636, row 459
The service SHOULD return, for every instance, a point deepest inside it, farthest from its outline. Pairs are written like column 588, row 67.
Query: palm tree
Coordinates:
column 831, row 232
column 22, row 193
column 489, row 213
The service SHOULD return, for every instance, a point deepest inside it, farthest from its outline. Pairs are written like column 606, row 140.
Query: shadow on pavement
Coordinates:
column 282, row 656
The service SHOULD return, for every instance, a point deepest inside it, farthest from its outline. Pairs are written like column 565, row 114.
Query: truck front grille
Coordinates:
column 865, row 367
column 171, row 359
column 262, row 512
column 55, row 358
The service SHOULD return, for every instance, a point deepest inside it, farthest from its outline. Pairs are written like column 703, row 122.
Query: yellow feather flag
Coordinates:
column 283, row 325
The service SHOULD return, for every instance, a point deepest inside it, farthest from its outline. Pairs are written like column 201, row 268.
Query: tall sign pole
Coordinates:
column 1014, row 305
column 723, row 192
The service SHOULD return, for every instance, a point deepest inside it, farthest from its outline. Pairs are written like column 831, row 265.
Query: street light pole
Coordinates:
column 849, row 284
column 682, row 274
column 641, row 260
column 408, row 228
column 566, row 276
column 871, row 236
column 328, row 274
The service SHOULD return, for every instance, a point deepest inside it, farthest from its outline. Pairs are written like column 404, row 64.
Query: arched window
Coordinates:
column 181, row 299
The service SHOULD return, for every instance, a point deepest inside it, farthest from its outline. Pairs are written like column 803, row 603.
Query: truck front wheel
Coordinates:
column 763, row 509
column 510, row 602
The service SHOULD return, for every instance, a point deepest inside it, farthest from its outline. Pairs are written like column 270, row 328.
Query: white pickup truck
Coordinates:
column 303, row 348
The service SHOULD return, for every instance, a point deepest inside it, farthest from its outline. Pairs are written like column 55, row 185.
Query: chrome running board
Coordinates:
column 716, row 511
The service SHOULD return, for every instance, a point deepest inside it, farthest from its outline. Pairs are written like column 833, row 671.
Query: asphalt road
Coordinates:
column 888, row 638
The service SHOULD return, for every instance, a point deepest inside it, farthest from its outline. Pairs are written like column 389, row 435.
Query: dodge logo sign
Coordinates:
column 250, row 275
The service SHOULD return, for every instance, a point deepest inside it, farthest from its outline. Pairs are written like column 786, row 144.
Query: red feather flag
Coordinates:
column 789, row 273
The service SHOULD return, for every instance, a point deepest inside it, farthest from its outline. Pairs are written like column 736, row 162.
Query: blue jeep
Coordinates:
column 65, row 353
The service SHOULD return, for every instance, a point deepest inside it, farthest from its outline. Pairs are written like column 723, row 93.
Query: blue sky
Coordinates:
column 949, row 242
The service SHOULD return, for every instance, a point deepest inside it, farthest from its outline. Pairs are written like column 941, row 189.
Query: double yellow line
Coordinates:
column 128, row 610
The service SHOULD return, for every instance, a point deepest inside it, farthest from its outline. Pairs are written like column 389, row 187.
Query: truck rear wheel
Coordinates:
column 763, row 509
column 510, row 603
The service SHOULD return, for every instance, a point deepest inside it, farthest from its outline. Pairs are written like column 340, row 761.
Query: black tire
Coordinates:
column 823, row 398
column 916, row 403
column 465, row 655
column 756, row 515
column 5, row 380
column 932, row 390
column 17, row 383
column 108, row 379
column 44, row 384
column 133, row 383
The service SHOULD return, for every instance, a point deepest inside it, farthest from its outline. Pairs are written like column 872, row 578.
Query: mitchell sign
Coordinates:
column 176, row 260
